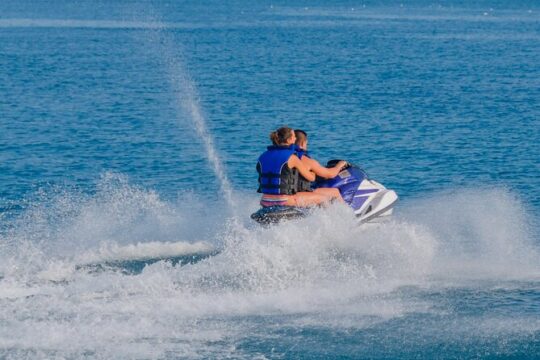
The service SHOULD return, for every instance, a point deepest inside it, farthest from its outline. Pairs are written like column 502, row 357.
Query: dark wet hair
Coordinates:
column 281, row 135
column 301, row 136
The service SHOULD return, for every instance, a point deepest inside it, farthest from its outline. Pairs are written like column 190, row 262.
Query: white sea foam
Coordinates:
column 320, row 271
column 141, row 251
column 481, row 234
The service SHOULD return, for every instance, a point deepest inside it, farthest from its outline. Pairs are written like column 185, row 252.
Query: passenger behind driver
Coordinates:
column 280, row 168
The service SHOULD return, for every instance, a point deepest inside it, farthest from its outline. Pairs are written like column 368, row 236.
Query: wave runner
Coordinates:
column 370, row 200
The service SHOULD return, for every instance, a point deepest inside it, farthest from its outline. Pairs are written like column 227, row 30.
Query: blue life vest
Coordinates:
column 275, row 176
column 300, row 152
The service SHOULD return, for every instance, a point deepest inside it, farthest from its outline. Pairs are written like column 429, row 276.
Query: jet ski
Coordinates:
column 369, row 200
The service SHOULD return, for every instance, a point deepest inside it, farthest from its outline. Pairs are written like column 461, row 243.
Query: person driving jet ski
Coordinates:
column 314, row 166
column 279, row 168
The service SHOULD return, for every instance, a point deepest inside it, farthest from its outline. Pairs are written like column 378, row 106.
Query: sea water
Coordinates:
column 129, row 133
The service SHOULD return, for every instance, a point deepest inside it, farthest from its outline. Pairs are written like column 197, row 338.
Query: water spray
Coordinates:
column 187, row 100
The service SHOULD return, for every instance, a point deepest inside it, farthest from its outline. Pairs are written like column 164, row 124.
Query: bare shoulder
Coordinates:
column 293, row 160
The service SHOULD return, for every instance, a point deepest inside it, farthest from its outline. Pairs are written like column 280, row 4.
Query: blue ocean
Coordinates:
column 129, row 135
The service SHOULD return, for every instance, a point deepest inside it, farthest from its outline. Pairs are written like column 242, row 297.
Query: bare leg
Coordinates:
column 305, row 199
column 332, row 193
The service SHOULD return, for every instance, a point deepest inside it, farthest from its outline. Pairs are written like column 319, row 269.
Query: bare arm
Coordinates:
column 327, row 173
column 295, row 163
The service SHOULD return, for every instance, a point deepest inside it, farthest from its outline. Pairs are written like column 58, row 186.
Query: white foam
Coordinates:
column 319, row 271
column 13, row 291
column 482, row 234
column 142, row 251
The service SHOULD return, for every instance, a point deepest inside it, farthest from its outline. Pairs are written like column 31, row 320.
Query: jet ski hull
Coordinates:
column 275, row 214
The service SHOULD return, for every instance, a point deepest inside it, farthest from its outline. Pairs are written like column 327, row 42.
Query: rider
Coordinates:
column 279, row 168
column 314, row 166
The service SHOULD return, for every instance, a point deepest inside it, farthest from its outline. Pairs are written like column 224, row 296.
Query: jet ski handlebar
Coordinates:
column 332, row 163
